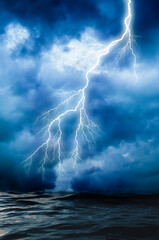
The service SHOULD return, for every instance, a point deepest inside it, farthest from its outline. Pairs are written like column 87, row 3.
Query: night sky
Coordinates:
column 39, row 40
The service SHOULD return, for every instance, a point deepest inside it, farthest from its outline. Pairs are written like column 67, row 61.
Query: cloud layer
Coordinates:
column 45, row 53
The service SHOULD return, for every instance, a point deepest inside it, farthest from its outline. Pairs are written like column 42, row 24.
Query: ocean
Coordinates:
column 78, row 216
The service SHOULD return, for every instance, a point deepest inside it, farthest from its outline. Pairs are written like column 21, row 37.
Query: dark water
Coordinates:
column 73, row 216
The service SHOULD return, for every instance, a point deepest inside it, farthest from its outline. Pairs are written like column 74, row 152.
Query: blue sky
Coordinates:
column 42, row 49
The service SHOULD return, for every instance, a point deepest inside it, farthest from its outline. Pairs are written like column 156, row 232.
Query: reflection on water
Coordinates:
column 78, row 216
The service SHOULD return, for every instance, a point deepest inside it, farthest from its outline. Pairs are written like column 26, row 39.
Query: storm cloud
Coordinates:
column 42, row 44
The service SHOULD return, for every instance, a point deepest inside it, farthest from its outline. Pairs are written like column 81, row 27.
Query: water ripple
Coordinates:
column 78, row 216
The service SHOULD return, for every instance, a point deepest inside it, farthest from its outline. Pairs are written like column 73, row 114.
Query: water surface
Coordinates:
column 78, row 216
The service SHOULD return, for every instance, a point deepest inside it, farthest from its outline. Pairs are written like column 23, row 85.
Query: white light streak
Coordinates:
column 85, row 126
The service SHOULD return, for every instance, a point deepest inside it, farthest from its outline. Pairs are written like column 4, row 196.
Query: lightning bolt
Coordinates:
column 85, row 126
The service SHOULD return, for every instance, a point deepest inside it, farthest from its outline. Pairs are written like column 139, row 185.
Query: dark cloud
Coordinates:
column 36, row 60
column 146, row 24
column 146, row 16
column 49, row 19
column 129, row 168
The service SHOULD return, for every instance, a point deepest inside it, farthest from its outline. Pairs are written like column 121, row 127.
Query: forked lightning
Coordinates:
column 85, row 126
